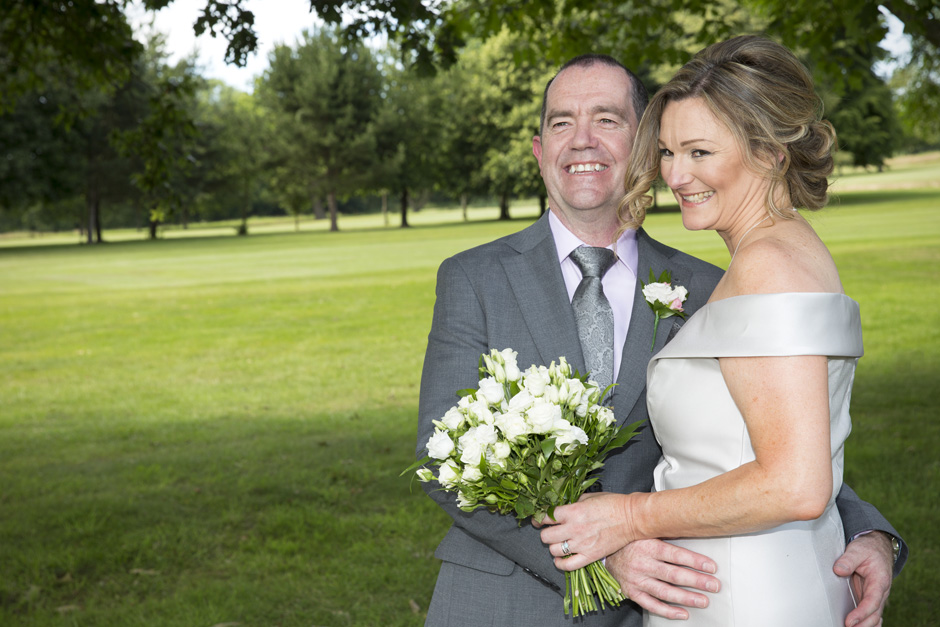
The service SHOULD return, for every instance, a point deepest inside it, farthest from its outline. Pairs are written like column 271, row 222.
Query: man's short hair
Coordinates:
column 639, row 97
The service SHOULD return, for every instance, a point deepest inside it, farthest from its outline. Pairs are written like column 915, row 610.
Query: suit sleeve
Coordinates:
column 457, row 339
column 859, row 516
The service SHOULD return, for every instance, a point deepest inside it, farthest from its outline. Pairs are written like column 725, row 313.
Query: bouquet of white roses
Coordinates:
column 524, row 443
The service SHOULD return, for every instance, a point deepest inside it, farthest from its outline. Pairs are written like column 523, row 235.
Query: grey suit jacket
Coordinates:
column 510, row 293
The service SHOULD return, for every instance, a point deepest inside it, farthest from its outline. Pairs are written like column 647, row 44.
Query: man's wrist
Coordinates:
column 895, row 543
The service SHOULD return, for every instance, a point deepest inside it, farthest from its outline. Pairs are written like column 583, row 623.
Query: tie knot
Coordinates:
column 593, row 261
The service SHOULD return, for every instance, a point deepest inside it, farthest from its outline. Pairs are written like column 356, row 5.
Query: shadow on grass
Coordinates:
column 839, row 199
column 274, row 521
column 45, row 249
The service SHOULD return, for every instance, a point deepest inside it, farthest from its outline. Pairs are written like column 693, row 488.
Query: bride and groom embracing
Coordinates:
column 740, row 464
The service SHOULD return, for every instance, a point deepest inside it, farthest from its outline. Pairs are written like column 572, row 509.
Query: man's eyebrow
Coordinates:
column 566, row 113
column 619, row 112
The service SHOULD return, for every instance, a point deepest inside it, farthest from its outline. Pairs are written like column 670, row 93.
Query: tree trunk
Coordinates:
column 385, row 208
column 464, row 201
column 331, row 202
column 504, row 207
column 318, row 211
column 542, row 205
column 404, row 208
column 98, row 220
column 91, row 205
column 246, row 206
column 153, row 228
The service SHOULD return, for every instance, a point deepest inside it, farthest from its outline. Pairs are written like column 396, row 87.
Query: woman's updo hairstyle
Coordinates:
column 764, row 95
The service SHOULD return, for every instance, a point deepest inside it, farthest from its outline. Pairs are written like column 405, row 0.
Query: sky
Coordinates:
column 276, row 22
column 282, row 21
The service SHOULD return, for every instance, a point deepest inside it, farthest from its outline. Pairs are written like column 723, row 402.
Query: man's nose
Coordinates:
column 584, row 136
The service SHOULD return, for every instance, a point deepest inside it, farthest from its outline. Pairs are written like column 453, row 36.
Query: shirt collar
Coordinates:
column 565, row 241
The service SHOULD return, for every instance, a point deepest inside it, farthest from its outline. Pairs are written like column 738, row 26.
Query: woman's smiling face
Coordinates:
column 704, row 166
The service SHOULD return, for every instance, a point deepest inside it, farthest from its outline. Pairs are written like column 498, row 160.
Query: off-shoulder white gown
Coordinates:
column 782, row 576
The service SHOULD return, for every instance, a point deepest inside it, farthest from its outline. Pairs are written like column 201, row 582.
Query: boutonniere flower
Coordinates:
column 664, row 299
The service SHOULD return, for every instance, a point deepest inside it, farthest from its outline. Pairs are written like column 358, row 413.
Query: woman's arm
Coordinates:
column 785, row 404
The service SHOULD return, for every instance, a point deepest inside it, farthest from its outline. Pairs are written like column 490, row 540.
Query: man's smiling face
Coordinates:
column 586, row 141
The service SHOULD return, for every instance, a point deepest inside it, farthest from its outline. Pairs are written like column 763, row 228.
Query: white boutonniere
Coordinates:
column 664, row 299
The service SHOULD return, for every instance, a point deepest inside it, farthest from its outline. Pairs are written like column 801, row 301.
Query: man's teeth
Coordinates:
column 699, row 197
column 586, row 167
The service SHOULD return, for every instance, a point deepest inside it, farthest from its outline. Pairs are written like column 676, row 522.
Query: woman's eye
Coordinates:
column 664, row 152
column 700, row 153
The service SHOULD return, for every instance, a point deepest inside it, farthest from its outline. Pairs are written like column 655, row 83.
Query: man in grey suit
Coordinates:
column 516, row 293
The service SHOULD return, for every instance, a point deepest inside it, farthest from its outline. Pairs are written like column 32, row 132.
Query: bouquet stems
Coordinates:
column 583, row 584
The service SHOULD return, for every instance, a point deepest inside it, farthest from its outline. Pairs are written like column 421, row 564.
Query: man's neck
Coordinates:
column 597, row 228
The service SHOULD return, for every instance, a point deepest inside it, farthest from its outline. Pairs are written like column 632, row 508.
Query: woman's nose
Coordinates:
column 675, row 173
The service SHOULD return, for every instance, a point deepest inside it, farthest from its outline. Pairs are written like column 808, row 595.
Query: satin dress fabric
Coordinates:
column 782, row 576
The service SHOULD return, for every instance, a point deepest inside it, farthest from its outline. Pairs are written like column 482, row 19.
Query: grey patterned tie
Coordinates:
column 593, row 314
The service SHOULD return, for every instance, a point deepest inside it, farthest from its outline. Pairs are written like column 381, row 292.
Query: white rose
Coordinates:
column 680, row 292
column 486, row 434
column 509, row 362
column 551, row 394
column 653, row 292
column 453, row 419
column 521, row 401
column 463, row 502
column 582, row 408
column 567, row 439
column 480, row 410
column 502, row 450
column 605, row 416
column 424, row 475
column 573, row 390
column 471, row 451
column 535, row 381
column 513, row 425
column 449, row 474
column 464, row 402
column 440, row 445
column 543, row 415
column 472, row 473
column 491, row 390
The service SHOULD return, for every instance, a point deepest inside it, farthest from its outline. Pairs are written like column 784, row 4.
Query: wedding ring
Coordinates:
column 564, row 548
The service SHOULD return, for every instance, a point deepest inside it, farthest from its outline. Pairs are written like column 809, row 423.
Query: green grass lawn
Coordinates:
column 208, row 430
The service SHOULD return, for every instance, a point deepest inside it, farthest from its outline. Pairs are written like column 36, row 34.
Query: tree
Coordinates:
column 324, row 98
column 161, row 139
column 488, row 100
column 233, row 159
column 407, row 134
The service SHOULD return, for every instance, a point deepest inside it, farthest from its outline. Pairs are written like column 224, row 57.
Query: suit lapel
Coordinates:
column 631, row 380
column 535, row 278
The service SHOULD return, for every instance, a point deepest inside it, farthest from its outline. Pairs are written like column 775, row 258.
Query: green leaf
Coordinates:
column 508, row 484
column 418, row 464
column 548, row 447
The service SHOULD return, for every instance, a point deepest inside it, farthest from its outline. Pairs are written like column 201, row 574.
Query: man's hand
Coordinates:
column 869, row 560
column 649, row 572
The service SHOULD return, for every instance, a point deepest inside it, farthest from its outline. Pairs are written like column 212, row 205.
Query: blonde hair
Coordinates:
column 764, row 95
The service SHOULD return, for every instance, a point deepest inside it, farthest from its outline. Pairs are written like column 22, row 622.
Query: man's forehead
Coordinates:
column 598, row 86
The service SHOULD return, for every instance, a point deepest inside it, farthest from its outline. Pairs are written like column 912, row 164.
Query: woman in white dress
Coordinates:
column 750, row 399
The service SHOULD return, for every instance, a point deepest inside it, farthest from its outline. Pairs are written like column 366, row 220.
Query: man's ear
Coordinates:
column 537, row 149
